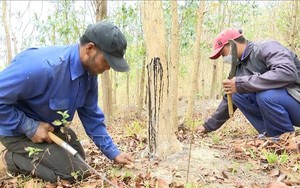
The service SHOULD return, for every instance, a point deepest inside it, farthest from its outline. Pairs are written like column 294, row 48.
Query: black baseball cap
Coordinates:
column 111, row 41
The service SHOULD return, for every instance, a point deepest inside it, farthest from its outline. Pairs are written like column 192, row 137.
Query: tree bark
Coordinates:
column 195, row 74
column 6, row 30
column 127, row 89
column 293, row 33
column 213, row 81
column 161, row 139
column 142, row 90
column 101, row 14
column 174, row 63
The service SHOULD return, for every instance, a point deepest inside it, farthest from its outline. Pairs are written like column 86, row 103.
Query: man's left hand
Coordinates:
column 124, row 158
column 229, row 86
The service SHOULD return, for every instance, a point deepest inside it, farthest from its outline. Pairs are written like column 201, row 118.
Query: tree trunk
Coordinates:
column 161, row 139
column 142, row 89
column 6, row 30
column 174, row 64
column 127, row 89
column 101, row 13
column 14, row 38
column 214, row 81
column 293, row 33
column 195, row 74
column 115, row 87
column 137, row 91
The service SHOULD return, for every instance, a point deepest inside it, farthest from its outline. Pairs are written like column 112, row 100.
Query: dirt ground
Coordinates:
column 229, row 157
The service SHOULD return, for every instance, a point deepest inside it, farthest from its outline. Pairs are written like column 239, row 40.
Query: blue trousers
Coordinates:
column 272, row 111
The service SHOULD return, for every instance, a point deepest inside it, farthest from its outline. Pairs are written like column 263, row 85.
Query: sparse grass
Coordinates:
column 191, row 185
column 135, row 128
column 274, row 158
column 215, row 139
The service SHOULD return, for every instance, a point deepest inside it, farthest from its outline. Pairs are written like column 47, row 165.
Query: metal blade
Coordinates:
column 234, row 59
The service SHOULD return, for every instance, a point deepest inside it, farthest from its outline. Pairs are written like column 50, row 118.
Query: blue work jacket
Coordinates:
column 39, row 82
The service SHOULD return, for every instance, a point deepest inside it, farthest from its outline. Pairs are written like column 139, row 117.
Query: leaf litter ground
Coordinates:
column 229, row 157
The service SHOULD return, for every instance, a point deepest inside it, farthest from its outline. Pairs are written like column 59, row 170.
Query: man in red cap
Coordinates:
column 266, row 86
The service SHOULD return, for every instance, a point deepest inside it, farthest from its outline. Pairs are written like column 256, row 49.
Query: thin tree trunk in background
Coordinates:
column 220, row 66
column 174, row 63
column 14, row 39
column 142, row 89
column 6, row 30
column 137, row 84
column 162, row 140
column 214, row 80
column 293, row 33
column 197, row 55
column 127, row 88
column 115, row 87
column 101, row 14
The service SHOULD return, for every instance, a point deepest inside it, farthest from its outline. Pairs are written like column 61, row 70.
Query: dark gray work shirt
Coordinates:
column 264, row 65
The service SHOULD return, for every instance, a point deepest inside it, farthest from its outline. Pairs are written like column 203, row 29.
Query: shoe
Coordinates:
column 263, row 136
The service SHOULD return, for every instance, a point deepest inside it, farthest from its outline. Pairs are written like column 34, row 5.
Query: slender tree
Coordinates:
column 101, row 14
column 197, row 55
column 293, row 33
column 6, row 30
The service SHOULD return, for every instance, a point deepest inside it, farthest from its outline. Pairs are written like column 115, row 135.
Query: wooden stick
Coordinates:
column 230, row 105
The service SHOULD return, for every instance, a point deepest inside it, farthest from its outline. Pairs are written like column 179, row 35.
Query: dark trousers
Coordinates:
column 50, row 164
column 272, row 111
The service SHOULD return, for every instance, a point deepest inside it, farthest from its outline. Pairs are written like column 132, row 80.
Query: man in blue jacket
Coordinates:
column 266, row 87
column 39, row 83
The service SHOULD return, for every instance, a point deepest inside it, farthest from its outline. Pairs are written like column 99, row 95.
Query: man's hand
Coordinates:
column 201, row 129
column 124, row 158
column 41, row 133
column 229, row 86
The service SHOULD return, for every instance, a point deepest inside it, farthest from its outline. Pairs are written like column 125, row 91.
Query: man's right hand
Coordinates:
column 201, row 129
column 41, row 133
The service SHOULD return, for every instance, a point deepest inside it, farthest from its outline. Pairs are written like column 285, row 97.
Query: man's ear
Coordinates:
column 89, row 48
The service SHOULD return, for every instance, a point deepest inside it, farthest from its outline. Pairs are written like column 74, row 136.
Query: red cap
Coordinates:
column 222, row 39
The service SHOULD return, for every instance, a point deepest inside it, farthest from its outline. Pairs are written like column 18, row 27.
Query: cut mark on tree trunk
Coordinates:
column 154, row 89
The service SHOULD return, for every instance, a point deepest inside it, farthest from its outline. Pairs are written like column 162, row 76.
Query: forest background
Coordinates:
column 181, row 33
column 40, row 23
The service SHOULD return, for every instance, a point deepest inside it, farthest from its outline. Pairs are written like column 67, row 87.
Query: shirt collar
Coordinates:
column 247, row 51
column 75, row 63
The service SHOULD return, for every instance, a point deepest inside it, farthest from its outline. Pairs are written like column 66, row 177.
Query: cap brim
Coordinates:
column 216, row 53
column 119, row 64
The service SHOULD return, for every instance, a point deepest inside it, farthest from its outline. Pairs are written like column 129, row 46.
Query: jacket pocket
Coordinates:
column 59, row 104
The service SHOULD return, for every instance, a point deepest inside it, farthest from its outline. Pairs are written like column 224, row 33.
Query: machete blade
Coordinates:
column 234, row 59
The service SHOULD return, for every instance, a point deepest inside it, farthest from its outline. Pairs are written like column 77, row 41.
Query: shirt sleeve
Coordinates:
column 19, row 82
column 281, row 69
column 220, row 116
column 92, row 119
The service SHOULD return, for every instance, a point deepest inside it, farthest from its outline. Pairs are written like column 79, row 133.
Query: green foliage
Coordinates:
column 128, row 174
column 63, row 26
column 33, row 151
column 64, row 120
column 274, row 158
column 76, row 175
column 271, row 157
